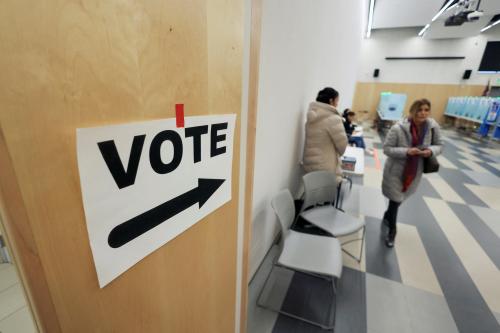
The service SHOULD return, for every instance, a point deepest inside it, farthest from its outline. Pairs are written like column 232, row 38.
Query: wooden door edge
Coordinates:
column 19, row 237
column 253, row 89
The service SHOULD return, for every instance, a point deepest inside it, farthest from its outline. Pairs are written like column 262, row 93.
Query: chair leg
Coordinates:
column 333, row 304
column 341, row 201
column 291, row 315
column 349, row 179
column 338, row 195
column 362, row 239
column 362, row 244
column 264, row 287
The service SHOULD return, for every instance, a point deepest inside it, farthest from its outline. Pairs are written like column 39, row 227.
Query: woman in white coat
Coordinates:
column 406, row 145
column 326, row 139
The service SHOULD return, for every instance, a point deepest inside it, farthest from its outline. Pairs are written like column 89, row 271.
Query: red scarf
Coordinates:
column 411, row 165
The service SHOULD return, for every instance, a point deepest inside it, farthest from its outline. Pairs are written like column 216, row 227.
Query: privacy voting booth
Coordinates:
column 391, row 106
column 390, row 109
column 480, row 110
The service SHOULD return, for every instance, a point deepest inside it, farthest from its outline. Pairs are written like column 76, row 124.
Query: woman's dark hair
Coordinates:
column 326, row 94
column 418, row 103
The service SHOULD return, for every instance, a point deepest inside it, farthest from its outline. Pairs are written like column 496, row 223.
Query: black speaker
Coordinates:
column 376, row 72
column 467, row 74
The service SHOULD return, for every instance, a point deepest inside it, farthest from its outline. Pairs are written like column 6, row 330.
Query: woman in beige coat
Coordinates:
column 326, row 139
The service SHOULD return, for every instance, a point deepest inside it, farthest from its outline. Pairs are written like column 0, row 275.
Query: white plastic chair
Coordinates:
column 320, row 187
column 309, row 254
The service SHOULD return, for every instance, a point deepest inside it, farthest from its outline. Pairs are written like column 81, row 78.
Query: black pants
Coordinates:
column 391, row 214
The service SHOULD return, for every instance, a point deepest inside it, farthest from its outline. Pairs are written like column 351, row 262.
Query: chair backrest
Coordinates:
column 320, row 187
column 284, row 208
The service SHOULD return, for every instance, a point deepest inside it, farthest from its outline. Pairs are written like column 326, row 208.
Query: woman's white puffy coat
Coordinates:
column 326, row 139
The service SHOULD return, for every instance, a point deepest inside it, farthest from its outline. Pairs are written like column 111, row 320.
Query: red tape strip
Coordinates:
column 179, row 115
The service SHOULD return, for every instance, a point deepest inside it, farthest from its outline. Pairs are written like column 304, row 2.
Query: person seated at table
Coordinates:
column 347, row 116
column 350, row 129
column 325, row 139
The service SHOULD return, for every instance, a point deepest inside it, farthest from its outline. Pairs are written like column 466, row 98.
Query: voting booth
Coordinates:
column 469, row 108
column 391, row 106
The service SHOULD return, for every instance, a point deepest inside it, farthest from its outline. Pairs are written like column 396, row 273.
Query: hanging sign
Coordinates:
column 145, row 183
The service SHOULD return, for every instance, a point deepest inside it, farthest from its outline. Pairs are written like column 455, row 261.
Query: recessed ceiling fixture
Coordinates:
column 445, row 7
column 370, row 19
column 441, row 11
column 421, row 33
column 491, row 25
column 454, row 6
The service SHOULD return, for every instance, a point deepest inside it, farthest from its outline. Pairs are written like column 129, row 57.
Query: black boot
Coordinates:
column 391, row 236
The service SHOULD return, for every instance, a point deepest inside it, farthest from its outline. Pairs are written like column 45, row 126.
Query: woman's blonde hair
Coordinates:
column 417, row 104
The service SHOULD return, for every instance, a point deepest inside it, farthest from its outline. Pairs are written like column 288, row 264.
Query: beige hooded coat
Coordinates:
column 326, row 139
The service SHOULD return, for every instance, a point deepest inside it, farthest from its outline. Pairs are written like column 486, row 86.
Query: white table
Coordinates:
column 359, row 155
column 358, row 131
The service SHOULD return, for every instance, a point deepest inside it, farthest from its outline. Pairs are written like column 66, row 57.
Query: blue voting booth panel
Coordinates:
column 493, row 119
column 391, row 106
column 471, row 108
column 496, row 132
column 492, row 115
column 486, row 111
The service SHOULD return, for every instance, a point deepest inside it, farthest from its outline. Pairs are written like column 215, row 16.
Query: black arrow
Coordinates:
column 129, row 230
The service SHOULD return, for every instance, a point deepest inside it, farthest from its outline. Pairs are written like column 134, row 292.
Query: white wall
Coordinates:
column 306, row 45
column 405, row 43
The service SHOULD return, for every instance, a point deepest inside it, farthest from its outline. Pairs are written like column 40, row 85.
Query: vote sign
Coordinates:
column 145, row 183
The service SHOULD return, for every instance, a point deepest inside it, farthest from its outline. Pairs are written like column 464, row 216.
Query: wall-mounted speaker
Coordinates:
column 467, row 74
column 376, row 72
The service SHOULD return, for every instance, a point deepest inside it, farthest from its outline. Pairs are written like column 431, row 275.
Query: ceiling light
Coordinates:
column 489, row 26
column 452, row 7
column 448, row 4
column 421, row 33
column 446, row 7
column 370, row 19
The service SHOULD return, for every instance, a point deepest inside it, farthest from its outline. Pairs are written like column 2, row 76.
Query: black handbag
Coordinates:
column 431, row 163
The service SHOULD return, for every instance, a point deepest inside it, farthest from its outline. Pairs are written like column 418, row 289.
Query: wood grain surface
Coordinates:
column 71, row 64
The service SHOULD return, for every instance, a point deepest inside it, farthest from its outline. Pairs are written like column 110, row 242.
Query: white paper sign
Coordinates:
column 145, row 183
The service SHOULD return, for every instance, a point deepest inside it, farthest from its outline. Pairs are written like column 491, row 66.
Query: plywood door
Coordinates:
column 68, row 64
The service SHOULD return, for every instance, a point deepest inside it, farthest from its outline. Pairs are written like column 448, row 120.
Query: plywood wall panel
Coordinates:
column 69, row 64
